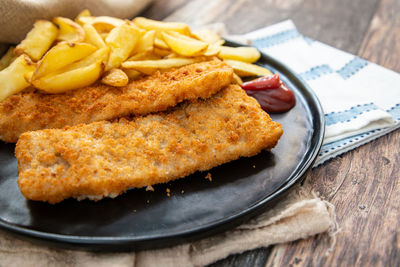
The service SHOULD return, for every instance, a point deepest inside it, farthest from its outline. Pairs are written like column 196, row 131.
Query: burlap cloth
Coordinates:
column 300, row 215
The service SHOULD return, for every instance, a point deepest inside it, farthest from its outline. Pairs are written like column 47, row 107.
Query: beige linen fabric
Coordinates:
column 18, row 16
column 299, row 215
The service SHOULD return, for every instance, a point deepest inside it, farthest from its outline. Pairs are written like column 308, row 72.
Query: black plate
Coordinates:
column 196, row 208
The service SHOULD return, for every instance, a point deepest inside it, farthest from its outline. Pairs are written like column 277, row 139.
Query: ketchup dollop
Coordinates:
column 272, row 94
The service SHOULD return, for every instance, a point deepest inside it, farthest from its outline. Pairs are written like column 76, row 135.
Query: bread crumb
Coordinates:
column 168, row 192
column 149, row 188
column 254, row 166
column 134, row 210
column 183, row 191
column 208, row 176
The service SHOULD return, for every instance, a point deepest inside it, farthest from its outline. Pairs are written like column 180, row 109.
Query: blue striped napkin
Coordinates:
column 361, row 100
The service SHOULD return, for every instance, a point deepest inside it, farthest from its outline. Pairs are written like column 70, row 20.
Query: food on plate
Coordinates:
column 115, row 77
column 245, row 54
column 38, row 40
column 12, row 78
column 244, row 69
column 122, row 40
column 7, row 58
column 69, row 30
column 58, row 45
column 104, row 159
column 100, row 105
column 32, row 110
column 61, row 55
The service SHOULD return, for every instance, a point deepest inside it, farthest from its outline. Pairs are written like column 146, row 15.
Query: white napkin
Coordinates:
column 361, row 100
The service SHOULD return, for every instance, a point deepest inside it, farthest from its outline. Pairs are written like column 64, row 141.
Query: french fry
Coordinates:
column 92, row 36
column 246, row 69
column 69, row 30
column 184, row 45
column 160, row 43
column 161, row 52
column 101, row 55
column 38, row 40
column 159, row 26
column 144, row 55
column 12, row 78
column 122, row 41
column 82, row 16
column 145, row 43
column 208, row 36
column 115, row 77
column 61, row 55
column 69, row 78
column 7, row 58
column 150, row 66
column 245, row 54
column 212, row 50
column 132, row 74
column 106, row 23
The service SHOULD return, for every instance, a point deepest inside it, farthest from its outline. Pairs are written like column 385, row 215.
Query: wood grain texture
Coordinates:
column 363, row 184
column 340, row 23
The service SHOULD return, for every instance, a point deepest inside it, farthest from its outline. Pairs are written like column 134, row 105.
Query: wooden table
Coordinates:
column 363, row 184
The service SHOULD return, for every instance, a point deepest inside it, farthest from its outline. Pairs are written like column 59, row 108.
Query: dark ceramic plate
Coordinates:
column 196, row 207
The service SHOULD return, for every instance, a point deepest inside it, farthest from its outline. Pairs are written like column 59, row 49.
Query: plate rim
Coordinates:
column 105, row 243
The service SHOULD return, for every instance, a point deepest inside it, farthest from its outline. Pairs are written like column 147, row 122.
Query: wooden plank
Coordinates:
column 363, row 184
column 382, row 41
column 340, row 23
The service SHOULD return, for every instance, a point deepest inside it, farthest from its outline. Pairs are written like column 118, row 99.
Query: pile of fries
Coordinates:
column 68, row 54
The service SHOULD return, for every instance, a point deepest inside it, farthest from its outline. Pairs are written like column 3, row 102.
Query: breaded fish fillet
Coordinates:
column 32, row 110
column 104, row 159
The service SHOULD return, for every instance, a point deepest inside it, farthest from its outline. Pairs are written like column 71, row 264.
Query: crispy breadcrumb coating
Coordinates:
column 104, row 159
column 32, row 110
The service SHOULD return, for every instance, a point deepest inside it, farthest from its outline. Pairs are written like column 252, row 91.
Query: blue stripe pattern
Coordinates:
column 348, row 115
column 352, row 67
column 395, row 112
column 316, row 72
column 326, row 148
column 276, row 39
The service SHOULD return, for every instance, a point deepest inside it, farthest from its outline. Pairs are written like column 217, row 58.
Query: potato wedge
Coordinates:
column 150, row 66
column 61, row 55
column 69, row 78
column 7, row 58
column 212, row 50
column 145, row 43
column 246, row 69
column 38, row 40
column 106, row 23
column 69, row 30
column 245, row 54
column 115, row 77
column 159, row 26
column 12, row 78
column 143, row 56
column 184, row 45
column 92, row 36
column 83, row 14
column 208, row 36
column 122, row 41
column 101, row 55
column 160, row 43
column 132, row 74
column 162, row 52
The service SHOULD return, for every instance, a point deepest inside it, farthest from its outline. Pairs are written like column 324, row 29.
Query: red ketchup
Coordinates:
column 272, row 94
